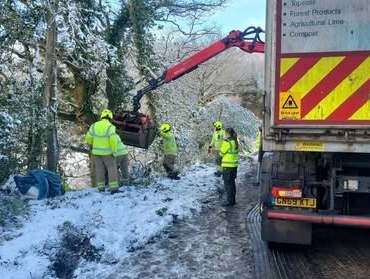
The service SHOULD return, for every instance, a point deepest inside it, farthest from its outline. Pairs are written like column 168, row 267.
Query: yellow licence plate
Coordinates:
column 290, row 202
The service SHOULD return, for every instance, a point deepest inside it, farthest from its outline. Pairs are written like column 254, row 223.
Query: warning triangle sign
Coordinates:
column 290, row 103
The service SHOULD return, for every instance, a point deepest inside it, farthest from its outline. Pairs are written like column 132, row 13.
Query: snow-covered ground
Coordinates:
column 116, row 223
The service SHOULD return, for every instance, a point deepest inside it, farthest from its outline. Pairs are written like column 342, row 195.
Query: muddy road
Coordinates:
column 224, row 242
column 335, row 253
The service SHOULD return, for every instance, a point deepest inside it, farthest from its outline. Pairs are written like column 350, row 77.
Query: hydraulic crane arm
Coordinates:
column 137, row 129
column 248, row 41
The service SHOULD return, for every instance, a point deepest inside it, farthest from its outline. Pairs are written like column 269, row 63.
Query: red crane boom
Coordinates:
column 137, row 129
column 234, row 39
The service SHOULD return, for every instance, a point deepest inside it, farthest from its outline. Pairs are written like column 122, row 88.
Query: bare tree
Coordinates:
column 232, row 73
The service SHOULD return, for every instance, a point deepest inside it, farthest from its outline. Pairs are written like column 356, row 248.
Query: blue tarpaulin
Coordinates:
column 49, row 184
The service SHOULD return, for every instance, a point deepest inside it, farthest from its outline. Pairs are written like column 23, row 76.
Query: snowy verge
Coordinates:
column 116, row 223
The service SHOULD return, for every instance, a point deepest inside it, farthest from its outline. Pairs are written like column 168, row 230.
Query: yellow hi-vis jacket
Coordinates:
column 169, row 146
column 217, row 138
column 121, row 148
column 102, row 138
column 229, row 154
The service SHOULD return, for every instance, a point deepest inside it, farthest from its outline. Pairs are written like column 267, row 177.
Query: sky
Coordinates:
column 239, row 14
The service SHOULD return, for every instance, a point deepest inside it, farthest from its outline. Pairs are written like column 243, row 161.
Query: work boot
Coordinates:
column 113, row 191
column 174, row 176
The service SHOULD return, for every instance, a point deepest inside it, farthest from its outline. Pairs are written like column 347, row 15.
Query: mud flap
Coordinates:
column 281, row 231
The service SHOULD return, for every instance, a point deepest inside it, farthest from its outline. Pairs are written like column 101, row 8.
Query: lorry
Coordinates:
column 314, row 158
column 315, row 153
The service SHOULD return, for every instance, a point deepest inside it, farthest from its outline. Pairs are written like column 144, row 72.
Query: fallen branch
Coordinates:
column 68, row 116
column 81, row 149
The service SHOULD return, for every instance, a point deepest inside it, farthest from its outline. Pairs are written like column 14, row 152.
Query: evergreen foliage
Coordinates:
column 96, row 46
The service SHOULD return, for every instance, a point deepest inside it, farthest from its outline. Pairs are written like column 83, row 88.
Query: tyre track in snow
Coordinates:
column 335, row 253
column 225, row 243
column 213, row 244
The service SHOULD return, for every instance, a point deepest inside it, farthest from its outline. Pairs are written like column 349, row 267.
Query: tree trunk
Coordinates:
column 50, row 95
column 34, row 148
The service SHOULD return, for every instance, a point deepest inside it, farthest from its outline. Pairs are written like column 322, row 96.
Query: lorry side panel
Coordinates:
column 317, row 75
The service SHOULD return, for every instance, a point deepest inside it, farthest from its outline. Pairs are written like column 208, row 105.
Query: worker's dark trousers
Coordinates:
column 229, row 176
column 169, row 164
column 105, row 164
